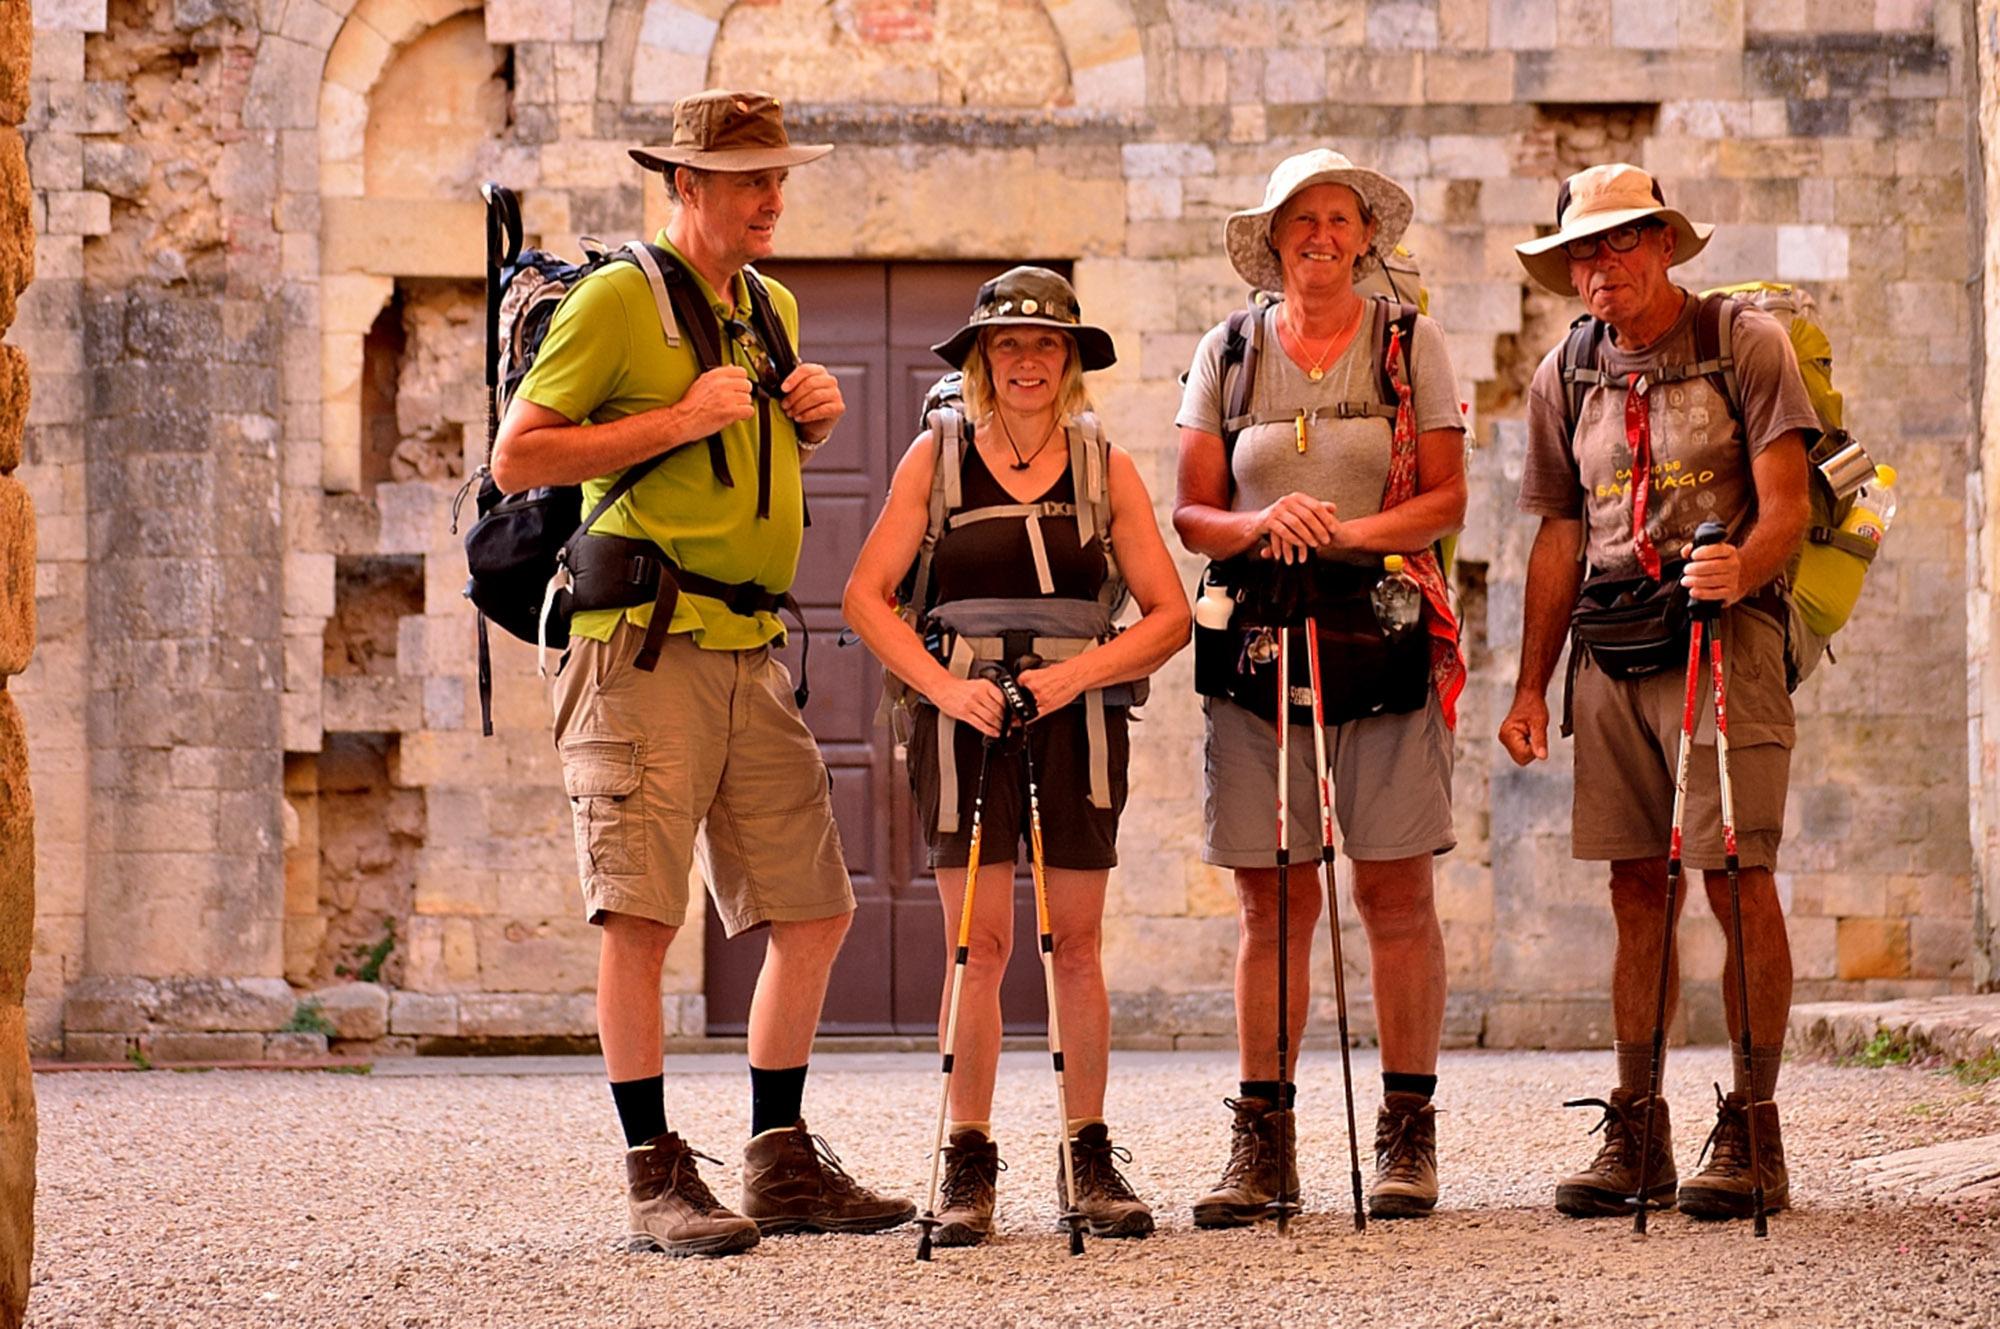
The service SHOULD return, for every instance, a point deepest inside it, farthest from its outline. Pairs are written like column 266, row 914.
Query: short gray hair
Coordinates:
column 673, row 189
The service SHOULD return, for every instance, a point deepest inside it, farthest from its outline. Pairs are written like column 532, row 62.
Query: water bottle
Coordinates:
column 1215, row 607
column 1399, row 601
column 1874, row 507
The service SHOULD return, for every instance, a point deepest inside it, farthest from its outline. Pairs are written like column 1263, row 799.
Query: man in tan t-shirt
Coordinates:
column 1697, row 460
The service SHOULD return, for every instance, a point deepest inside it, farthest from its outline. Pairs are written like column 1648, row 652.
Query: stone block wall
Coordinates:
column 17, row 644
column 259, row 308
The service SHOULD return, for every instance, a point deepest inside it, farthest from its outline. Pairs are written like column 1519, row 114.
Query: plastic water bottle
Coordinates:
column 1874, row 506
column 1399, row 601
column 1215, row 607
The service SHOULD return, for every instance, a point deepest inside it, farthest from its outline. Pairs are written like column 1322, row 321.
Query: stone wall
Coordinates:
column 17, row 643
column 1982, row 504
column 260, row 301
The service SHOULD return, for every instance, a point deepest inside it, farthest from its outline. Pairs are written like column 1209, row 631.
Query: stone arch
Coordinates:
column 369, row 237
column 676, row 49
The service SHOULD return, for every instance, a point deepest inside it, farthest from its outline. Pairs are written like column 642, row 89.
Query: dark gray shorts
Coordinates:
column 1391, row 787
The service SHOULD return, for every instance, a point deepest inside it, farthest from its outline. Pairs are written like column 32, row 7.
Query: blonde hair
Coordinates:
column 1072, row 397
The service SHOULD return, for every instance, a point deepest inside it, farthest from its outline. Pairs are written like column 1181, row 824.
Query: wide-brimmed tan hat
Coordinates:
column 729, row 131
column 1247, row 234
column 1030, row 297
column 1601, row 199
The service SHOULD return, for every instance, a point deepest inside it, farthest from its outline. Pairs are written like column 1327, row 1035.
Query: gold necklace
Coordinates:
column 1317, row 370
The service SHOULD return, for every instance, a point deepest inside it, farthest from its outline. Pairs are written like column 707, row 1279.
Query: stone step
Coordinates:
column 1957, row 1171
column 1956, row 1028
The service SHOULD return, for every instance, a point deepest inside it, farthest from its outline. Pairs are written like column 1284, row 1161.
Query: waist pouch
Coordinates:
column 1364, row 671
column 1632, row 626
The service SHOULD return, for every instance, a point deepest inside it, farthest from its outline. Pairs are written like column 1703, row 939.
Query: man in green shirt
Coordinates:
column 703, row 744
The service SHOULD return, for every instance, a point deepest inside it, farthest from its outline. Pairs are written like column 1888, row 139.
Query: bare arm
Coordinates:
column 868, row 603
column 1164, row 621
column 1728, row 572
column 1295, row 523
column 1553, row 577
column 1436, row 510
column 538, row 446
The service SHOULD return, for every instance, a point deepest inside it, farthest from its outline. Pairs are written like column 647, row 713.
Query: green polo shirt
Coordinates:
column 606, row 357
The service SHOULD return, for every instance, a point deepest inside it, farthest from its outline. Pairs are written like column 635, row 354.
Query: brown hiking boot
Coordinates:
column 1406, row 1175
column 1103, row 1196
column 1250, row 1178
column 1722, row 1189
column 1607, row 1186
column 673, row 1209
column 793, row 1182
column 972, row 1168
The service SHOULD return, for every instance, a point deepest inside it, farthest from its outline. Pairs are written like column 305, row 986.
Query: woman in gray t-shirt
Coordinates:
column 1329, row 468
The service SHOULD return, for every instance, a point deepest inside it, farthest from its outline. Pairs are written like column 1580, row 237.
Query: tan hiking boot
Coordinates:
column 1103, row 1196
column 793, row 1182
column 972, row 1169
column 1723, row 1188
column 1607, row 1186
column 672, row 1208
column 1250, row 1178
column 1406, row 1176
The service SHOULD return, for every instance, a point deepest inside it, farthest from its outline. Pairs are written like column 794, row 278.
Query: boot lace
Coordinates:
column 686, row 1183
column 1398, row 1146
column 1730, row 1136
column 1618, row 1137
column 1246, row 1147
column 831, row 1174
column 970, row 1176
column 1096, row 1167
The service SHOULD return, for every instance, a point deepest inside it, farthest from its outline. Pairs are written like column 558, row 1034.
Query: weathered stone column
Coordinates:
column 17, row 640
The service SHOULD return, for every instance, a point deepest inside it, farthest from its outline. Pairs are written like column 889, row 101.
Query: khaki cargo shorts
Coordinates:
column 1391, row 787
column 1628, row 736
column 707, row 750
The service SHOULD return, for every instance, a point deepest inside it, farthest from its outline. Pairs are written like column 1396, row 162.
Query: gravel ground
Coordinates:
column 297, row 1200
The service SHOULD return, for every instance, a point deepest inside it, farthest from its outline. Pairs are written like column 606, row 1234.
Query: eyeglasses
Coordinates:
column 1619, row 240
column 764, row 373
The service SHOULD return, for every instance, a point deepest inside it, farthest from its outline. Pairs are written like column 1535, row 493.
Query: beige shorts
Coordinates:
column 1391, row 787
column 706, row 750
column 1628, row 737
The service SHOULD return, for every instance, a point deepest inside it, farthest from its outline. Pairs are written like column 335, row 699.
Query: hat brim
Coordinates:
column 1093, row 345
column 739, row 159
column 1247, row 234
column 1548, row 264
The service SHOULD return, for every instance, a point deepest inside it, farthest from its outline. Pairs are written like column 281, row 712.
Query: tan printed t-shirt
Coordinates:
column 1701, row 453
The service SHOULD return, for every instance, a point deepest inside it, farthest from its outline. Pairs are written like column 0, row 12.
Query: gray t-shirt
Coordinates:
column 1346, row 461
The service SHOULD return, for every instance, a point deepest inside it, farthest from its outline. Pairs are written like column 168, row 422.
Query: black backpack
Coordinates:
column 518, row 549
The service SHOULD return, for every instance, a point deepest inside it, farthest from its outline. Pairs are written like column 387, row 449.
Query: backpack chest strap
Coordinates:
column 1031, row 515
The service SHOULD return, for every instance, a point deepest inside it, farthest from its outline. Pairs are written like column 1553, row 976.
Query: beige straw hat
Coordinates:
column 1601, row 199
column 1247, row 234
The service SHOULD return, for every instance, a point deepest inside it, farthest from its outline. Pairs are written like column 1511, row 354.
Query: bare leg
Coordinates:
column 1769, row 953
column 1638, row 908
column 1076, row 919
column 791, row 988
column 1257, row 965
column 976, row 1058
column 1406, row 949
column 629, row 955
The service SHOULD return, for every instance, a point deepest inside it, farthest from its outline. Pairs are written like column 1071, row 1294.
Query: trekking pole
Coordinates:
column 488, row 191
column 1708, row 533
column 1668, row 930
column 930, row 1220
column 1329, row 857
column 1022, row 704
column 1284, row 1206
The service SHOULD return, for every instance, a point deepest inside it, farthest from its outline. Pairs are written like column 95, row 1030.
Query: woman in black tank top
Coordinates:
column 1014, row 543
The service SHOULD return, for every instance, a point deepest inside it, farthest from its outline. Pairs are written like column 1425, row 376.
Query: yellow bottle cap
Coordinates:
column 1393, row 563
column 1886, row 474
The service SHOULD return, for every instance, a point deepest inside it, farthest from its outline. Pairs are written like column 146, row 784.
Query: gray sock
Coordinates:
column 1759, row 1076
column 1635, row 1067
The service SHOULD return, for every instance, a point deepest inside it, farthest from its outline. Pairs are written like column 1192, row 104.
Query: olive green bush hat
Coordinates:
column 1030, row 297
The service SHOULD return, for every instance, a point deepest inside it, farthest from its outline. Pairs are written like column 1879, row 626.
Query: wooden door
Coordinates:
column 873, row 325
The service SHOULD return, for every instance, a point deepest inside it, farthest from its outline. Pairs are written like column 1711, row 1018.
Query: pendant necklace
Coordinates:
column 1317, row 370
column 1021, row 463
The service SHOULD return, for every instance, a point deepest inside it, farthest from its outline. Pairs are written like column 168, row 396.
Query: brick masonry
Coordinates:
column 214, row 263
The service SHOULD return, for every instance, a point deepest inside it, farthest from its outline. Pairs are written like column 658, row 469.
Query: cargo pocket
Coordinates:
column 602, row 777
column 1760, row 706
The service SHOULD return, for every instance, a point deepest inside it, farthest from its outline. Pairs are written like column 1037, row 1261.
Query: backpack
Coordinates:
column 521, row 549
column 1821, row 575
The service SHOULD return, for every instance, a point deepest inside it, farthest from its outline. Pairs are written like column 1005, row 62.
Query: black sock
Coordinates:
column 1269, row 1090
column 1398, row 1082
column 775, row 1098
column 642, row 1109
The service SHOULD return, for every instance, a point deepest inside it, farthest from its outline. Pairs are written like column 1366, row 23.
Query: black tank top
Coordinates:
column 992, row 559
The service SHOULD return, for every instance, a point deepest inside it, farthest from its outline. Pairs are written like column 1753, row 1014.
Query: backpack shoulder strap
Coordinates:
column 1390, row 313
column 950, row 435
column 1090, row 471
column 771, row 328
column 1582, row 354
column 1242, row 345
column 1714, row 346
column 647, row 259
column 698, row 320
